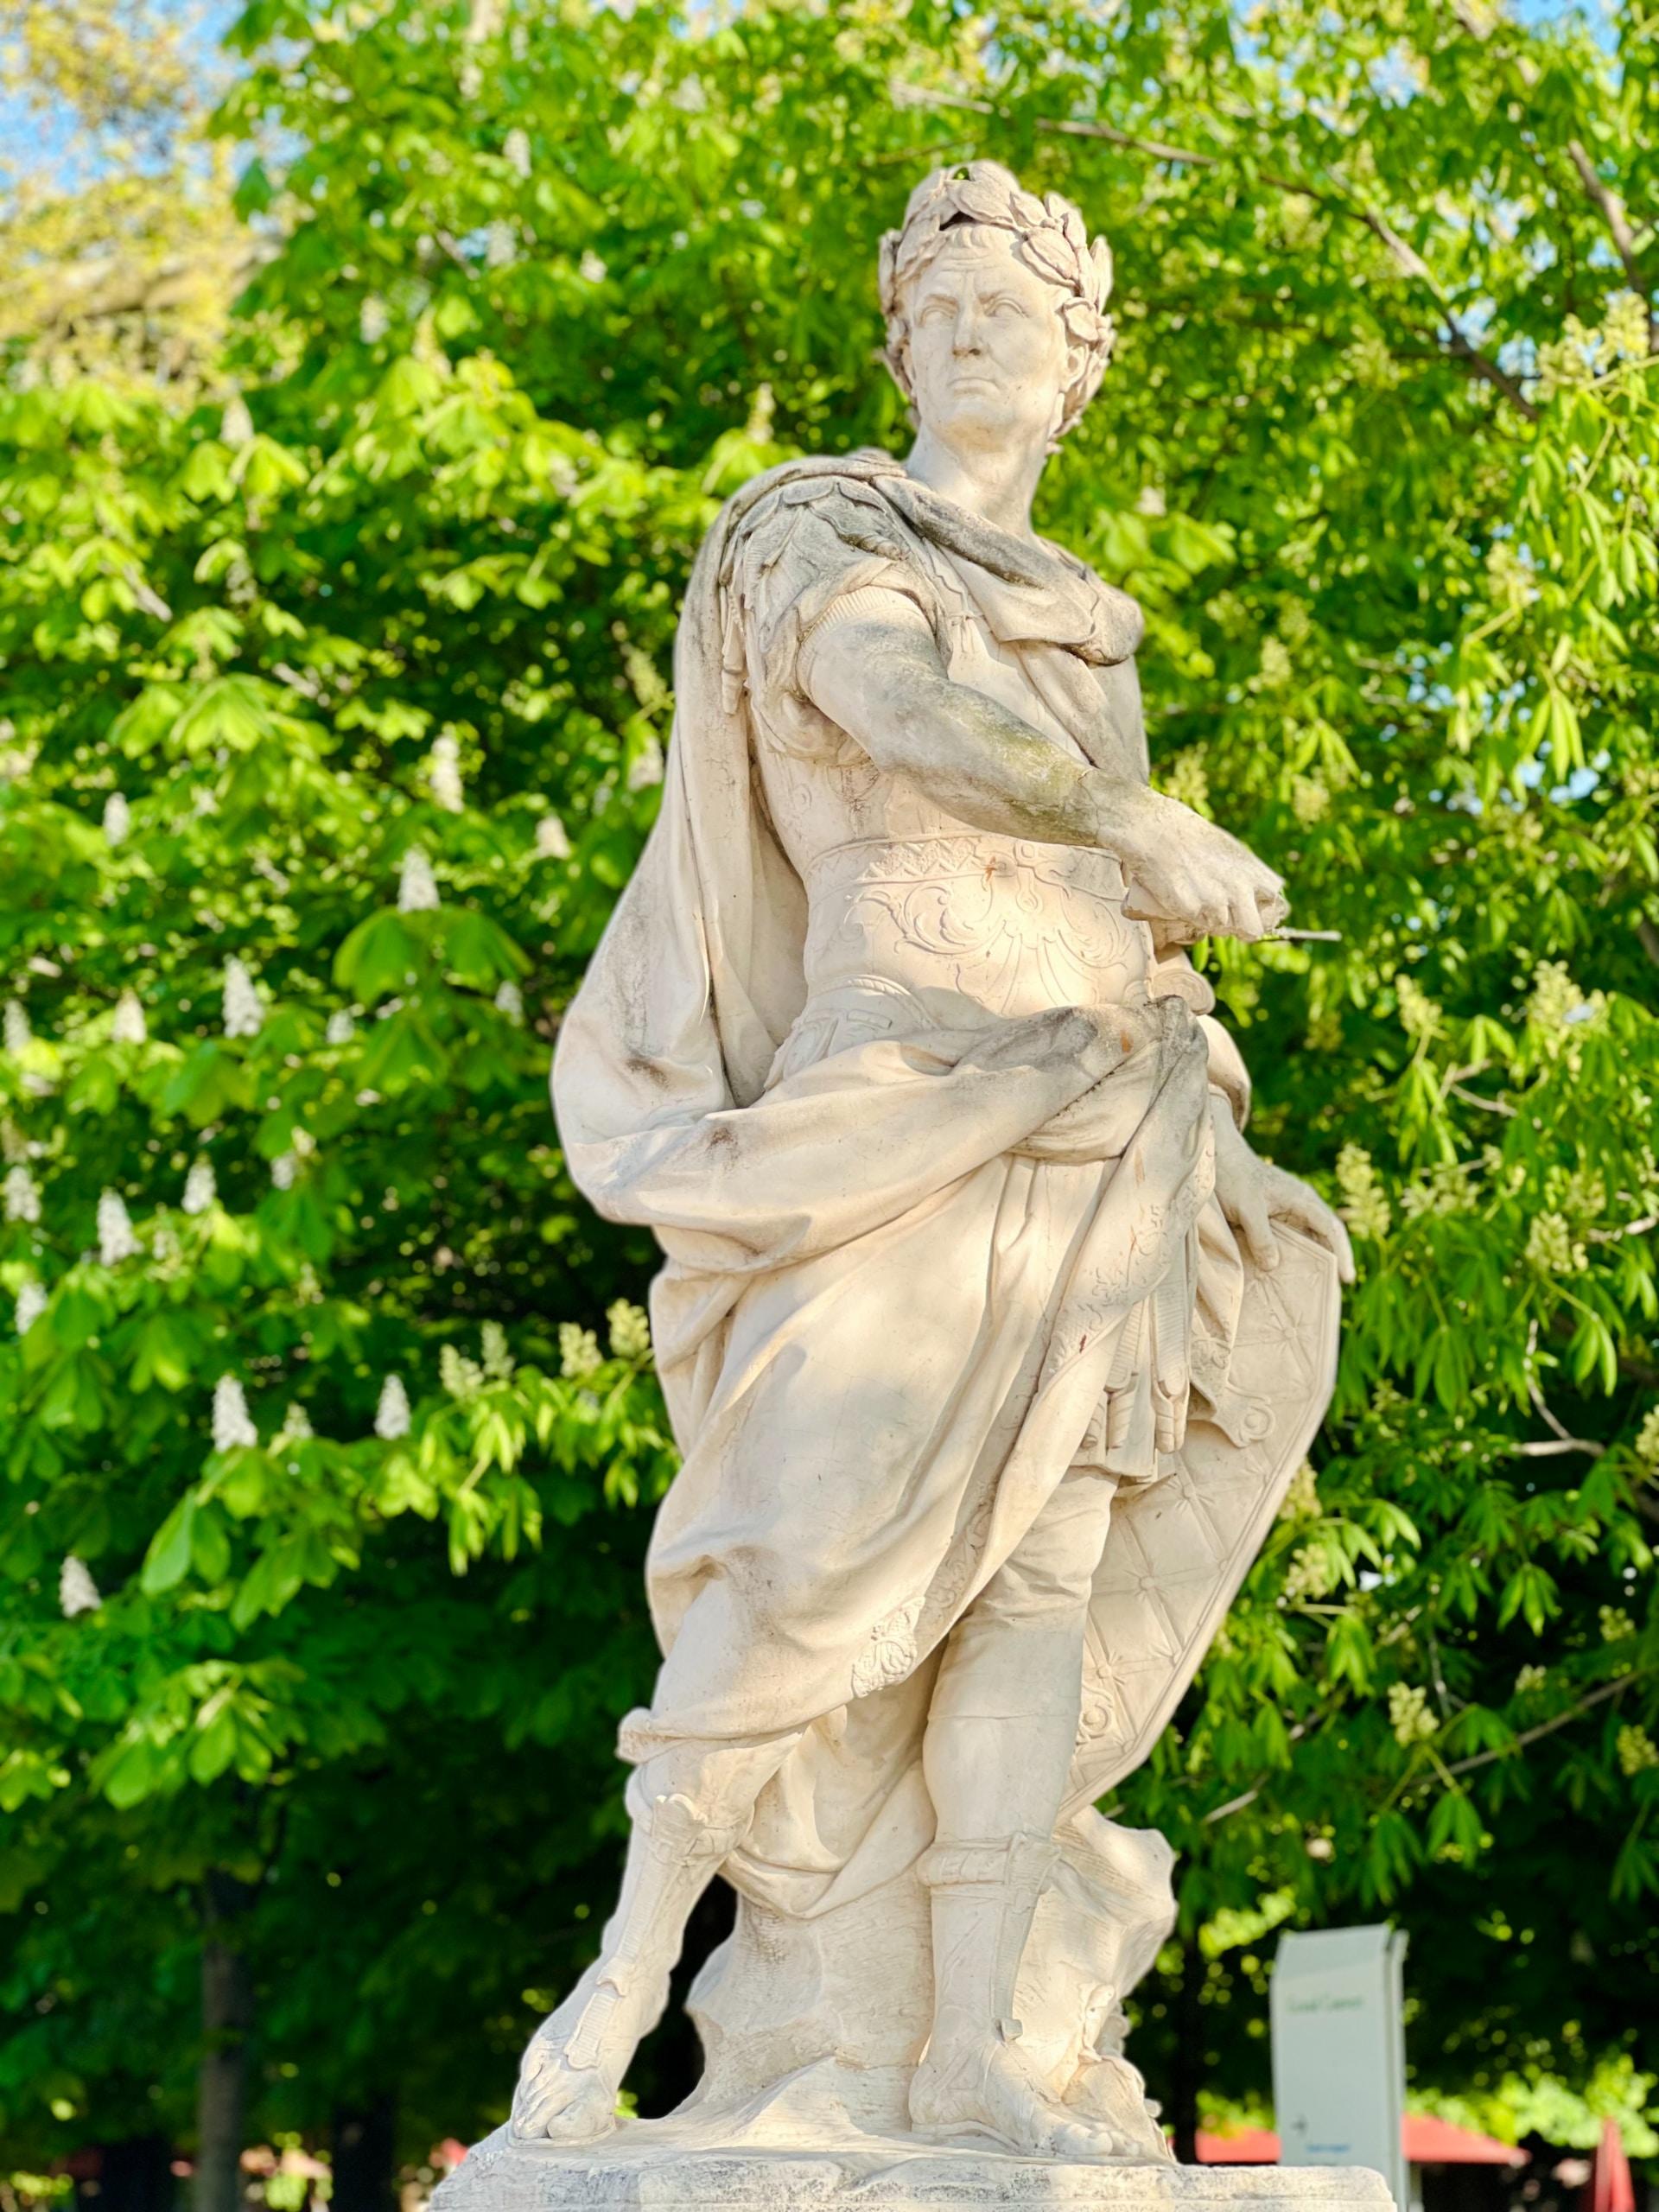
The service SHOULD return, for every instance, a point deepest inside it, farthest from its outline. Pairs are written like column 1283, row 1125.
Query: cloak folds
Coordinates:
column 883, row 1331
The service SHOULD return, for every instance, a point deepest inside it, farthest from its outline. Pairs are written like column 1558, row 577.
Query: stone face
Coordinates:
column 663, row 2170
column 990, row 1344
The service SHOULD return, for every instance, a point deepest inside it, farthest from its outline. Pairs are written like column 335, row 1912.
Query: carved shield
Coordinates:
column 1180, row 1547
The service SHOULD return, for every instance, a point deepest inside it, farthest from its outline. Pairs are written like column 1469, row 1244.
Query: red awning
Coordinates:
column 1610, row 2189
column 1428, row 2142
column 1251, row 2146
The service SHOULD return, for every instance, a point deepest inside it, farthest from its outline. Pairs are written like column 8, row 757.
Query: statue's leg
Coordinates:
column 1000, row 1733
column 691, row 1806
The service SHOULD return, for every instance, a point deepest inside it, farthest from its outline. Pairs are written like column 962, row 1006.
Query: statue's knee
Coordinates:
column 702, row 1794
column 1039, row 1593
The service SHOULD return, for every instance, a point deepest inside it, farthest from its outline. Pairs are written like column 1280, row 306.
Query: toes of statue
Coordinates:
column 556, row 2100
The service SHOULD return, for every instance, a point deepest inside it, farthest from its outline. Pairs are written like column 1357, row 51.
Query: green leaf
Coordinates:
column 136, row 1774
column 164, row 1353
column 211, row 1082
column 480, row 952
column 168, row 1559
column 214, row 1747
column 378, row 958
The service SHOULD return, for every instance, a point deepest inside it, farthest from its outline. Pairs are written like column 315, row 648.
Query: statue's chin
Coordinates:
column 977, row 418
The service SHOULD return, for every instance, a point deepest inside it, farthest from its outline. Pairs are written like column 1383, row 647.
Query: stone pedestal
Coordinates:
column 661, row 2167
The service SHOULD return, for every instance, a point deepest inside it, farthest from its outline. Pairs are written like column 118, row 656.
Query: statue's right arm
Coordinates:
column 881, row 678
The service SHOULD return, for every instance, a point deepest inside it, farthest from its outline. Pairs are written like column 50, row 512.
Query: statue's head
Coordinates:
column 995, row 303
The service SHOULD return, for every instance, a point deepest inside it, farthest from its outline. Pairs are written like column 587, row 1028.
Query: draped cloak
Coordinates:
column 884, row 1331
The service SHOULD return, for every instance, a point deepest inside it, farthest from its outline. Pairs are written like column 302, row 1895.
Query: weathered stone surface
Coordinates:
column 674, row 2174
column 990, row 1344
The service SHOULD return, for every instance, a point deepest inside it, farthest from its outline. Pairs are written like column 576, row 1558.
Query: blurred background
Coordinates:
column 368, row 375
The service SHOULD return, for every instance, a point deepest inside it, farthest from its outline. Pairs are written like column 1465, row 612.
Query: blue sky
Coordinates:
column 33, row 137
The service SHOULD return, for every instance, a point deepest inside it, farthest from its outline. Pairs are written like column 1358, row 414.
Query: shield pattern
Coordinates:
column 1180, row 1547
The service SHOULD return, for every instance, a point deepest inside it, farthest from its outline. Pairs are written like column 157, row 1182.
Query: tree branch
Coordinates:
column 1618, row 226
column 1548, row 1727
column 1411, row 263
column 101, row 285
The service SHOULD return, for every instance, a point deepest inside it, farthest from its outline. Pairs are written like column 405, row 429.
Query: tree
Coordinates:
column 337, row 684
column 123, row 250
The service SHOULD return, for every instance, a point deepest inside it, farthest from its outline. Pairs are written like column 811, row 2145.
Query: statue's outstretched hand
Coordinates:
column 1192, row 877
column 1253, row 1194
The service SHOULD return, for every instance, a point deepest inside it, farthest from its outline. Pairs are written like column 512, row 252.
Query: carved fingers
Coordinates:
column 1237, row 894
column 1241, row 1190
column 1252, row 1194
column 1194, row 878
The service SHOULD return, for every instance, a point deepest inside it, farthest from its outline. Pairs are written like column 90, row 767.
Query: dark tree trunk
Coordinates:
column 364, row 2150
column 226, row 2022
column 135, row 2174
column 1186, row 2079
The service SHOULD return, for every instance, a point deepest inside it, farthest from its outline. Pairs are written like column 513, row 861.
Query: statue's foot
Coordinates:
column 566, row 2103
column 573, row 2067
column 989, row 2090
column 1110, row 2093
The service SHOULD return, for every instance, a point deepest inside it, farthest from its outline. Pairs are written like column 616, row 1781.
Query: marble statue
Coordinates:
column 989, row 1342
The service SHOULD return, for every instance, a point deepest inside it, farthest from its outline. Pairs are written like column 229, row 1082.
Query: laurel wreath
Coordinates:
column 1051, row 240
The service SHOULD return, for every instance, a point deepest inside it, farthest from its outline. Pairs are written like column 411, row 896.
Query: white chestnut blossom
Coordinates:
column 630, row 1329
column 31, row 1303
column 579, row 1352
column 510, row 1001
column 235, row 424
column 128, row 1027
column 200, row 1188
column 460, row 1377
column 552, row 839
column 118, row 818
column 77, row 1591
column 23, row 1197
column 417, row 889
column 17, row 1033
column 646, row 767
column 373, row 321
column 243, row 1015
column 516, row 148
column 392, row 1414
column 115, row 1240
column 443, row 775
column 296, row 1425
column 342, row 1027
column 232, row 1423
column 283, row 1169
